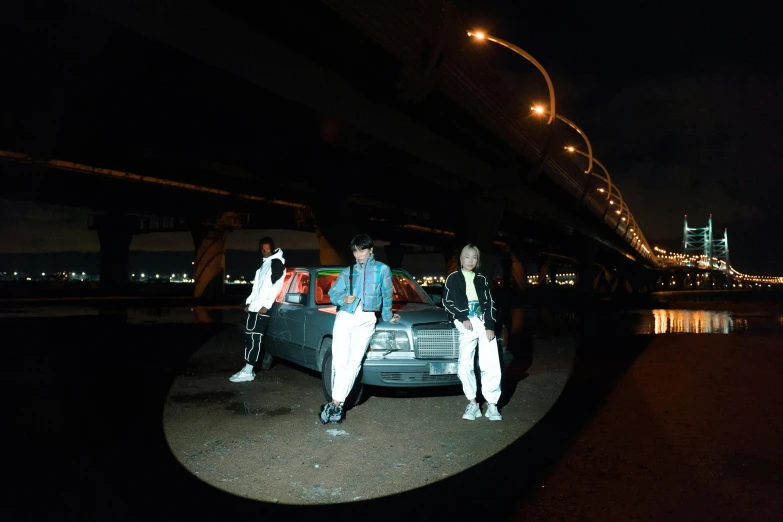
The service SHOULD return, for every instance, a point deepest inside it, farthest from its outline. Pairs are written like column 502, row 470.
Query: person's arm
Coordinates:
column 387, row 293
column 275, row 284
column 489, row 312
column 448, row 299
column 339, row 289
column 256, row 288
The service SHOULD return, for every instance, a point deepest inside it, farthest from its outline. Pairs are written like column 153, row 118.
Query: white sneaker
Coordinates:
column 242, row 376
column 472, row 412
column 493, row 413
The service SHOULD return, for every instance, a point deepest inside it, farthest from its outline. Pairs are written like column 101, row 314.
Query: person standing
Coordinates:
column 467, row 297
column 266, row 286
column 360, row 290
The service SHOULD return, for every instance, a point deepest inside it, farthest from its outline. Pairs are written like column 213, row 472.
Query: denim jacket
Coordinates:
column 375, row 283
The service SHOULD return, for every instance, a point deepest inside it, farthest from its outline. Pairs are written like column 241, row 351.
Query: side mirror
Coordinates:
column 296, row 298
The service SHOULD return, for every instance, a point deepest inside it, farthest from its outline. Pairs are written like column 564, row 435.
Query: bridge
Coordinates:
column 333, row 117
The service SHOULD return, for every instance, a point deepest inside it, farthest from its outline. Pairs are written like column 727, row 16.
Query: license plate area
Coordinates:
column 443, row 368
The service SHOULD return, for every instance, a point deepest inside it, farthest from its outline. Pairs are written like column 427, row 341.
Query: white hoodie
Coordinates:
column 264, row 291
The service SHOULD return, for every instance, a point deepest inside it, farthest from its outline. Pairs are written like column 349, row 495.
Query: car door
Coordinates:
column 319, row 321
column 291, row 315
column 275, row 339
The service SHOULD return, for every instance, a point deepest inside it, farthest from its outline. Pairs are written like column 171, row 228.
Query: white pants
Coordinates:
column 350, row 338
column 489, row 361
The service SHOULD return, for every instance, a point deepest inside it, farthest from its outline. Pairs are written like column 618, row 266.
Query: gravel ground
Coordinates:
column 110, row 421
column 262, row 439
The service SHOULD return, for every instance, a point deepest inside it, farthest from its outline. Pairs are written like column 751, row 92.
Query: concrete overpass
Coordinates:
column 329, row 116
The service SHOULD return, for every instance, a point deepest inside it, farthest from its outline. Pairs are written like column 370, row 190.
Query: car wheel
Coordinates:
column 266, row 361
column 326, row 379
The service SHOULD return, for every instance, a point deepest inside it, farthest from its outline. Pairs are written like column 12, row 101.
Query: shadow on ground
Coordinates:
column 89, row 399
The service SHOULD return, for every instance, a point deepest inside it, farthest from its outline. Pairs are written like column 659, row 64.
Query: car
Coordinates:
column 421, row 349
column 435, row 292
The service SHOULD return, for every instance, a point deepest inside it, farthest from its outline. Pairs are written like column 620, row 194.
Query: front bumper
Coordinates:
column 409, row 373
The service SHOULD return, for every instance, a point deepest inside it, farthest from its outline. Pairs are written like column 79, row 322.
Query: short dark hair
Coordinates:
column 361, row 241
column 266, row 240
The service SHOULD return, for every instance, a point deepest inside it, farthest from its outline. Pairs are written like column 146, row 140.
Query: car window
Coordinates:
column 406, row 290
column 284, row 288
column 323, row 282
column 300, row 284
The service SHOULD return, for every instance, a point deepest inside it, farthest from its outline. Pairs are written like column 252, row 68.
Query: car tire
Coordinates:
column 326, row 379
column 267, row 361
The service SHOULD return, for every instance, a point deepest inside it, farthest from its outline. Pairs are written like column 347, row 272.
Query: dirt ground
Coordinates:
column 262, row 439
column 692, row 431
column 110, row 421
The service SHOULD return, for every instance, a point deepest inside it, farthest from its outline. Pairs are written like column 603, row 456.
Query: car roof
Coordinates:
column 334, row 267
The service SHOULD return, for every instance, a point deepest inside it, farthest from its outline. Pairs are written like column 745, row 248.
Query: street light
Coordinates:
column 540, row 110
column 591, row 173
column 479, row 35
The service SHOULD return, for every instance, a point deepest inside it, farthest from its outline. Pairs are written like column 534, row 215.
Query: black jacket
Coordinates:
column 455, row 298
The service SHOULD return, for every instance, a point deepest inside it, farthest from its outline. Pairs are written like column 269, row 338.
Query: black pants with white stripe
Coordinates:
column 255, row 327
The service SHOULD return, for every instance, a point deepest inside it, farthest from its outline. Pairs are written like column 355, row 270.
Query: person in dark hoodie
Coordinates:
column 467, row 297
column 266, row 285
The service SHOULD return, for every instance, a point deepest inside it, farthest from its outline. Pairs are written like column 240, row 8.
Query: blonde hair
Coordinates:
column 471, row 246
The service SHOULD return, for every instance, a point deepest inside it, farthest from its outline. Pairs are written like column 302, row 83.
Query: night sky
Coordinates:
column 681, row 104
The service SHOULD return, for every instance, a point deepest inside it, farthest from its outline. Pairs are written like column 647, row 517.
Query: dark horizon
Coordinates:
column 238, row 262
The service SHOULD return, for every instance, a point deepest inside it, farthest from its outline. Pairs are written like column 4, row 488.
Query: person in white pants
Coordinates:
column 351, row 336
column 360, row 290
column 467, row 297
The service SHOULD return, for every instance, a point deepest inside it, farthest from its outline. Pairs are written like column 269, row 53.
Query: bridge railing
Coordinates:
column 429, row 37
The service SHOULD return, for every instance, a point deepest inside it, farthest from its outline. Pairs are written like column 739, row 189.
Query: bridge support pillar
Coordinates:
column 334, row 242
column 514, row 271
column 546, row 274
column 115, row 233
column 209, row 240
column 586, row 273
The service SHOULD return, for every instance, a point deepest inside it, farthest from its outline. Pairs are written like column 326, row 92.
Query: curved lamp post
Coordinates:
column 621, row 218
column 608, row 178
column 637, row 240
column 478, row 35
column 540, row 110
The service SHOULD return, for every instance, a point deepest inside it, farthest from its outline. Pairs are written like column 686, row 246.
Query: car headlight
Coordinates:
column 390, row 341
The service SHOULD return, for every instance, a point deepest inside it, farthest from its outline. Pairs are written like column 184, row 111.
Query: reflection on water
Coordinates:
column 521, row 322
column 691, row 321
column 542, row 323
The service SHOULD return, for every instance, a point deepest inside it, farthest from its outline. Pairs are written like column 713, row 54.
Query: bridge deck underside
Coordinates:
column 126, row 102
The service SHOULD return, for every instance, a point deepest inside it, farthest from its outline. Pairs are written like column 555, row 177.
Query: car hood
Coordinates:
column 416, row 313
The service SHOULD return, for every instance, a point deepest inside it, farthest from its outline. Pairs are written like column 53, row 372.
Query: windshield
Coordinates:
column 406, row 290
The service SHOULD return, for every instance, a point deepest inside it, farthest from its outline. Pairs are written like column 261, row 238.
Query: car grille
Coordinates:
column 396, row 377
column 436, row 342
